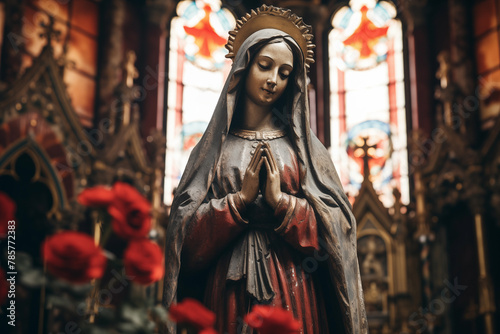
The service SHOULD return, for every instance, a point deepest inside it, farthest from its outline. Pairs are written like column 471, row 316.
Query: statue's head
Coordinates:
column 270, row 71
column 271, row 49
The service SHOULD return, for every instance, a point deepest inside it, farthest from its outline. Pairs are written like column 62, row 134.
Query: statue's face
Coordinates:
column 268, row 75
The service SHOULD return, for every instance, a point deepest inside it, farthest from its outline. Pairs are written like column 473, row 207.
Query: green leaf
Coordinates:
column 127, row 328
column 23, row 261
column 105, row 317
column 133, row 314
column 93, row 329
column 33, row 278
column 159, row 313
column 62, row 302
column 79, row 291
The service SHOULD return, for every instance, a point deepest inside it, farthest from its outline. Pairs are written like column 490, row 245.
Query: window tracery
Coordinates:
column 367, row 97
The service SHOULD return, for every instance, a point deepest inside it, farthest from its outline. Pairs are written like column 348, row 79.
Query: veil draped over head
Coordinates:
column 319, row 182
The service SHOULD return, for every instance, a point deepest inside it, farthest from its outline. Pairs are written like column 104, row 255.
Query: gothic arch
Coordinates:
column 44, row 171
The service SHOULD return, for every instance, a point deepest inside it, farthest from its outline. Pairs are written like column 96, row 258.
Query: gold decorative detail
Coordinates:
column 131, row 71
column 371, row 264
column 373, row 294
column 275, row 18
column 486, row 291
column 258, row 135
column 445, row 67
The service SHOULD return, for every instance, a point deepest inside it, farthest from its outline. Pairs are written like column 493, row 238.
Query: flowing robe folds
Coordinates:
column 256, row 254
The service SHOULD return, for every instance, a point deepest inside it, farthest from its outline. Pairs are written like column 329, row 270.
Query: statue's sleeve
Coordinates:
column 216, row 223
column 298, row 223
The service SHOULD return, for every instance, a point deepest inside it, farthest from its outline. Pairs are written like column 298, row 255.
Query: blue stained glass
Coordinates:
column 190, row 12
column 368, row 125
column 223, row 20
column 382, row 14
column 346, row 18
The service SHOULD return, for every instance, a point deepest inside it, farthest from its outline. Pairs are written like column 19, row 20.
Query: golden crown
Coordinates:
column 272, row 17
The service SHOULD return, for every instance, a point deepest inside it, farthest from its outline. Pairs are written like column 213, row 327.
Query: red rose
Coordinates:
column 4, row 287
column 143, row 261
column 272, row 320
column 73, row 256
column 128, row 208
column 208, row 331
column 192, row 312
column 98, row 196
column 7, row 212
column 130, row 212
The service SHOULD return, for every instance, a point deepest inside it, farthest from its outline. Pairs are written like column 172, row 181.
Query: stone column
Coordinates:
column 420, row 74
column 153, row 72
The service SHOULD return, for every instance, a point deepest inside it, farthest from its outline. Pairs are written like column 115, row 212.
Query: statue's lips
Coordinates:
column 268, row 91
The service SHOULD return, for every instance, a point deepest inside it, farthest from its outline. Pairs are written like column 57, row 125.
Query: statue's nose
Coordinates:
column 271, row 82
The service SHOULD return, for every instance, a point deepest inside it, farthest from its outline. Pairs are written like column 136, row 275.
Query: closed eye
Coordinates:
column 284, row 75
column 263, row 66
column 285, row 71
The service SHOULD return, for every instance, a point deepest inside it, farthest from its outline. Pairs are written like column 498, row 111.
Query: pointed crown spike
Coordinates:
column 276, row 18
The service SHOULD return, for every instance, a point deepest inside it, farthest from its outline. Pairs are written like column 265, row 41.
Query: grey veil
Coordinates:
column 319, row 182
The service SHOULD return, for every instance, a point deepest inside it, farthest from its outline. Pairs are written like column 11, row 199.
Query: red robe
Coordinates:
column 223, row 231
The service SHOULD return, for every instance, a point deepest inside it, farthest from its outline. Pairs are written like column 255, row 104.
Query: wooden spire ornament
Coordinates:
column 270, row 17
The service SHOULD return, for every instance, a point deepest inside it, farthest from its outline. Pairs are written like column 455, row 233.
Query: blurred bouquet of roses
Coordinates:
column 99, row 280
column 129, row 218
column 192, row 316
column 100, row 277
column 272, row 320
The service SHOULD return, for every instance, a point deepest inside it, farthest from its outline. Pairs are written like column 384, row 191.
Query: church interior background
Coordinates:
column 404, row 94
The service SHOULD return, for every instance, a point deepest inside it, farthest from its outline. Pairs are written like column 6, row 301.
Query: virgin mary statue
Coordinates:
column 260, row 216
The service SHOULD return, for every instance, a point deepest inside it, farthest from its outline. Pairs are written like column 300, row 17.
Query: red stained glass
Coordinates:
column 366, row 35
column 81, row 89
column 487, row 53
column 207, row 39
column 489, row 97
column 59, row 9
column 485, row 16
column 85, row 15
column 82, row 49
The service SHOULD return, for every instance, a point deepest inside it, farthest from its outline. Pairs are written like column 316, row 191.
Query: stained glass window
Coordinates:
column 487, row 47
column 77, row 21
column 197, row 72
column 367, row 97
